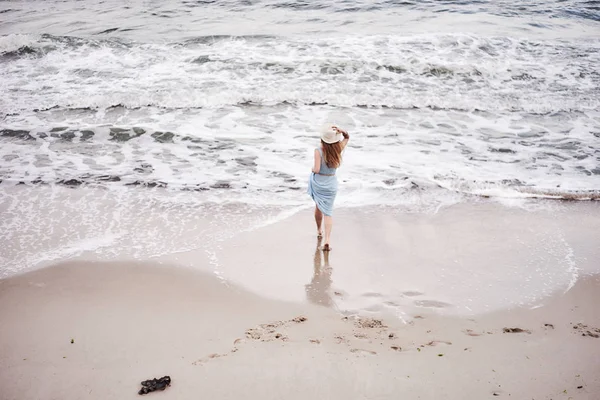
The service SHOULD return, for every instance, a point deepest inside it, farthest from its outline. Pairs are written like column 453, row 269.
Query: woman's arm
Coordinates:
column 346, row 137
column 317, row 165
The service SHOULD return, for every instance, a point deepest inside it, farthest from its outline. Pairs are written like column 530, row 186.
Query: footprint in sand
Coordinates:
column 209, row 357
column 436, row 342
column 432, row 304
column 340, row 339
column 370, row 323
column 586, row 330
column 371, row 294
column 269, row 332
column 411, row 293
column 359, row 335
column 363, row 351
column 263, row 332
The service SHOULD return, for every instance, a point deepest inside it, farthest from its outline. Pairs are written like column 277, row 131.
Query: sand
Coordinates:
column 95, row 330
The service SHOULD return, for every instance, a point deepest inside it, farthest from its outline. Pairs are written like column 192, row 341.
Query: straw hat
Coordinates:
column 330, row 135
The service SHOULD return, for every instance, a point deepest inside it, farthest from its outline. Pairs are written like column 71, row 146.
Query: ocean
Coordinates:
column 125, row 123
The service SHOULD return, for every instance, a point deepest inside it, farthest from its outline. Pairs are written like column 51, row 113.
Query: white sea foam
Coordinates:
column 443, row 71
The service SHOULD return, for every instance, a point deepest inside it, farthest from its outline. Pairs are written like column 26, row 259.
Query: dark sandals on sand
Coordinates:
column 155, row 384
column 326, row 247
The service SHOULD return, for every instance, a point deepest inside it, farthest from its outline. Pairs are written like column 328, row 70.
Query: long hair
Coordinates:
column 332, row 153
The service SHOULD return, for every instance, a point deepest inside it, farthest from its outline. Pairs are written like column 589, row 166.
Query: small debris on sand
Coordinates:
column 370, row 323
column 155, row 384
column 471, row 333
column 391, row 336
column 396, row 348
column 253, row 334
column 587, row 331
column 340, row 339
column 549, row 326
column 315, row 341
column 515, row 330
column 299, row 319
column 72, row 341
column 270, row 326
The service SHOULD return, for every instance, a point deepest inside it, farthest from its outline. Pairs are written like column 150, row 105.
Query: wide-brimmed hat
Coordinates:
column 330, row 135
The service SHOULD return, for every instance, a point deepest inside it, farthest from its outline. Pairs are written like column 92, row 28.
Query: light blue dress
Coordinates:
column 322, row 187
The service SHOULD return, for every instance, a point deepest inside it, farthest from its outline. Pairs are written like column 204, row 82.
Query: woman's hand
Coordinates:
column 343, row 132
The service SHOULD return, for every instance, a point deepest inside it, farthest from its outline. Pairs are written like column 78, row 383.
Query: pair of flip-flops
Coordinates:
column 152, row 385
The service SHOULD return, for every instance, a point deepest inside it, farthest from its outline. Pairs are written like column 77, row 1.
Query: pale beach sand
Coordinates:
column 219, row 320
column 134, row 321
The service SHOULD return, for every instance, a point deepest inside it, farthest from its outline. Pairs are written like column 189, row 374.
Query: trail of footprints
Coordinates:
column 368, row 336
column 366, row 330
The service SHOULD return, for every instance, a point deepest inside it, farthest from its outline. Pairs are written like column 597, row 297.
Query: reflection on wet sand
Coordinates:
column 318, row 291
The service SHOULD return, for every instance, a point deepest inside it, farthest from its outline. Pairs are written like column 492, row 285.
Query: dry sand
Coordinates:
column 132, row 321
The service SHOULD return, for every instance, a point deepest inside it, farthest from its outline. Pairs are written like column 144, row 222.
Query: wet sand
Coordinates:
column 95, row 330
column 466, row 259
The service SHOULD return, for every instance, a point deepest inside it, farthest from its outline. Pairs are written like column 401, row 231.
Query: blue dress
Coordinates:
column 322, row 187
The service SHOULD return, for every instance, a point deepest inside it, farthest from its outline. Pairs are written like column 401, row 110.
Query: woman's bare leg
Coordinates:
column 328, row 226
column 318, row 220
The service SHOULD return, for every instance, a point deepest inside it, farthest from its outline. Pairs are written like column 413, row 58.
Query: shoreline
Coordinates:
column 135, row 321
column 465, row 259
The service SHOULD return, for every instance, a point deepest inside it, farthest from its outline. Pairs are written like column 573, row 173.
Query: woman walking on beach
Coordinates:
column 323, row 185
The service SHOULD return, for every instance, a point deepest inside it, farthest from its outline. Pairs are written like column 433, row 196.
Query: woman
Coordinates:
column 322, row 185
